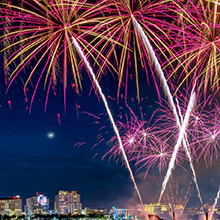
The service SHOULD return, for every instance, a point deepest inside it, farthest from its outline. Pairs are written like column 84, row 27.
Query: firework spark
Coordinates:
column 186, row 143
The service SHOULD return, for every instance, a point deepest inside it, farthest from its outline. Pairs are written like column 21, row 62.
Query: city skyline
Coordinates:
column 68, row 204
column 115, row 154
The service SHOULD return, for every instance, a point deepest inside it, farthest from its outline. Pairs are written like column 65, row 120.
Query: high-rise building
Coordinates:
column 68, row 202
column 38, row 204
column 11, row 206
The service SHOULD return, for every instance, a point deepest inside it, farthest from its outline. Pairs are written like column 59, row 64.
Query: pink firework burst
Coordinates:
column 196, row 47
column 147, row 143
column 203, row 128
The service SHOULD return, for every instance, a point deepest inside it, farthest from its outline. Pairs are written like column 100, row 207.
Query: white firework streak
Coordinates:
column 186, row 144
column 170, row 98
column 215, row 203
column 92, row 74
column 178, row 143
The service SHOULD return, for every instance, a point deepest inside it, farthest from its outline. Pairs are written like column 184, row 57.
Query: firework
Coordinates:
column 47, row 35
column 198, row 124
column 121, row 35
column 186, row 144
column 92, row 74
column 196, row 46
column 39, row 34
column 178, row 143
column 178, row 194
column 171, row 101
column 147, row 143
column 208, row 139
column 202, row 131
column 214, row 205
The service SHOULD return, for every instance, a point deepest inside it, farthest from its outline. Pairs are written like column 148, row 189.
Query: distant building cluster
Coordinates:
column 117, row 213
column 68, row 202
column 158, row 211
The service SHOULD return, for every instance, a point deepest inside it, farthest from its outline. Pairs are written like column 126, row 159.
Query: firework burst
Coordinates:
column 121, row 35
column 202, row 130
column 197, row 44
column 39, row 34
column 147, row 143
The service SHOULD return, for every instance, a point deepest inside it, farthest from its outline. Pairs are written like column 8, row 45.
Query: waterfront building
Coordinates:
column 38, row 204
column 163, row 211
column 68, row 202
column 160, row 209
column 88, row 211
column 117, row 213
column 196, row 213
column 11, row 206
